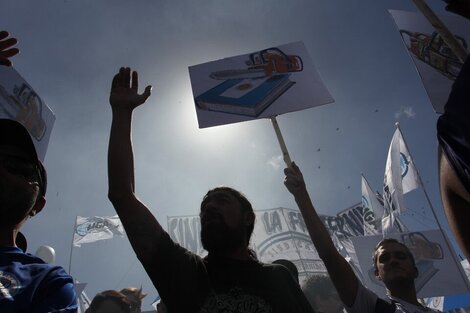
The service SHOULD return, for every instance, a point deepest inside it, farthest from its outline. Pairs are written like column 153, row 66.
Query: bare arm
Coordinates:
column 142, row 229
column 340, row 272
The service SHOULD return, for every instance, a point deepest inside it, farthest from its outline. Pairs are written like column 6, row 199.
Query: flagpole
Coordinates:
column 71, row 246
column 467, row 282
column 443, row 31
column 280, row 139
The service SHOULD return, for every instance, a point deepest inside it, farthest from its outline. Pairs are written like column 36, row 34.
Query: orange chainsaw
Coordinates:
column 267, row 62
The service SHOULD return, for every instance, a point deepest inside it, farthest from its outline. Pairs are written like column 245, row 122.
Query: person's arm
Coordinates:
column 142, row 229
column 6, row 50
column 460, row 7
column 340, row 272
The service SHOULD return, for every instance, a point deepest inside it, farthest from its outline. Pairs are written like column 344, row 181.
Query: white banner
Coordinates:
column 281, row 233
column 438, row 272
column 91, row 229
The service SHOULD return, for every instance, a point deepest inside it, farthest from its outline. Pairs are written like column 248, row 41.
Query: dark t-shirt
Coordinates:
column 28, row 284
column 188, row 283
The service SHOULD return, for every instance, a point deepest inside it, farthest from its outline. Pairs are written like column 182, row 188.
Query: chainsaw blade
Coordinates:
column 238, row 74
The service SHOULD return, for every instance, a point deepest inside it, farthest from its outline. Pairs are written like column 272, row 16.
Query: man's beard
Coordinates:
column 218, row 237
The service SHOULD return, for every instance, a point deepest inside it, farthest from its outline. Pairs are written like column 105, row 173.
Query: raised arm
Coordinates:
column 142, row 229
column 340, row 272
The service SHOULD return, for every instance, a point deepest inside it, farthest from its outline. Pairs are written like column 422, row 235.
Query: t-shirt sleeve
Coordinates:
column 57, row 293
column 175, row 272
column 365, row 301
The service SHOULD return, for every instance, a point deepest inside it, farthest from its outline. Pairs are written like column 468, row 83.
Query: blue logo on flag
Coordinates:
column 404, row 163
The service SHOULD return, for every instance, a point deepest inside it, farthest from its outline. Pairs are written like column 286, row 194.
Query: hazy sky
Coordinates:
column 70, row 49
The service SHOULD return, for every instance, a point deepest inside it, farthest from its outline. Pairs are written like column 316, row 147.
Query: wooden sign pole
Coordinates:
column 443, row 31
column 285, row 153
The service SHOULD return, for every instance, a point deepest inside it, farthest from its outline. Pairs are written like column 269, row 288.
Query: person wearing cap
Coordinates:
column 27, row 283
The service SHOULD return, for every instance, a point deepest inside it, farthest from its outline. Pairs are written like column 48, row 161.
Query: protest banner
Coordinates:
column 18, row 101
column 280, row 233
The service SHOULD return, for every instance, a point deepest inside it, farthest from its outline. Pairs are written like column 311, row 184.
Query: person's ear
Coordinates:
column 376, row 273
column 38, row 205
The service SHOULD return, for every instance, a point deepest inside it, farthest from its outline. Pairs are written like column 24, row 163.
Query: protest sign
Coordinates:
column 257, row 85
column 436, row 63
column 18, row 101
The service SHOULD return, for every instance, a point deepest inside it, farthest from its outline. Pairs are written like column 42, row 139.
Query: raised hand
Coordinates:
column 124, row 90
column 294, row 180
column 6, row 51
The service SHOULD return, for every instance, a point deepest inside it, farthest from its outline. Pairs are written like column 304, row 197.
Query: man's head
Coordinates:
column 23, row 179
column 134, row 296
column 394, row 263
column 227, row 220
column 109, row 301
column 322, row 295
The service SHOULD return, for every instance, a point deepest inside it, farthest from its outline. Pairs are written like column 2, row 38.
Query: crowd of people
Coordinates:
column 230, row 278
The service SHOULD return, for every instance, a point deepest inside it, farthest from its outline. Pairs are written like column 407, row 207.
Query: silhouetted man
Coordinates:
column 229, row 279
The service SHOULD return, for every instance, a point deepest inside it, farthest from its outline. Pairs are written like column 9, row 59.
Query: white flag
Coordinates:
column 91, row 229
column 370, row 204
column 409, row 175
column 391, row 224
column 400, row 174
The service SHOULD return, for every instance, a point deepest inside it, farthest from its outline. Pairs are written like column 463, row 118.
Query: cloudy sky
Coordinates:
column 70, row 49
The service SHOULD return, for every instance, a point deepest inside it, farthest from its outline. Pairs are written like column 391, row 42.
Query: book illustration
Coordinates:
column 244, row 96
column 251, row 90
column 25, row 106
column 432, row 50
column 265, row 63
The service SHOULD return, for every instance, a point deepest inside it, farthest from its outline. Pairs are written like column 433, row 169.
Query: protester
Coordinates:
column 453, row 132
column 109, row 301
column 229, row 279
column 394, row 263
column 27, row 283
column 322, row 295
column 134, row 296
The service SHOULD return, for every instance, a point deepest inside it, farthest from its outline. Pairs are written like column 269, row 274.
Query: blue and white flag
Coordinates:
column 373, row 210
column 400, row 175
column 91, row 229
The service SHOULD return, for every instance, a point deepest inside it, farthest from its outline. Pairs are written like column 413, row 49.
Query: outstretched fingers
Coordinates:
column 146, row 94
column 6, row 51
